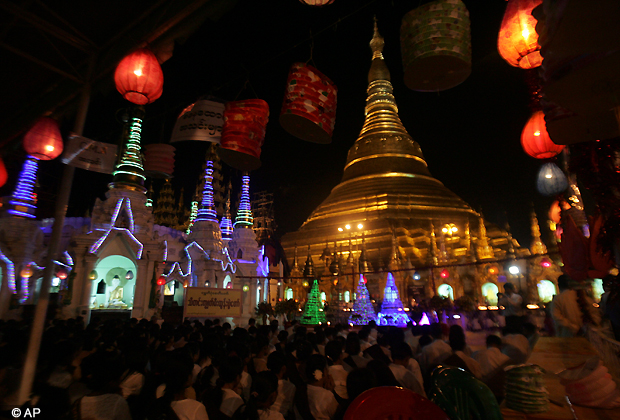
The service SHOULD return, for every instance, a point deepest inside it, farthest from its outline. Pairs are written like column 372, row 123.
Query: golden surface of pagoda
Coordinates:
column 387, row 191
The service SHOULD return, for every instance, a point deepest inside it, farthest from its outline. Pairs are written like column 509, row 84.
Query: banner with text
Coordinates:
column 204, row 302
column 201, row 121
column 90, row 154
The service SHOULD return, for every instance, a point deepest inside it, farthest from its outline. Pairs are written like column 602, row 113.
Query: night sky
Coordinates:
column 469, row 134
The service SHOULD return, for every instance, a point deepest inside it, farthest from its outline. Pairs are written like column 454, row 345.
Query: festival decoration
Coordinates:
column 62, row 273
column 551, row 180
column 130, row 170
column 27, row 271
column 313, row 312
column 545, row 263
column 129, row 275
column 162, row 281
column 493, row 270
column 363, row 312
column 392, row 310
column 159, row 160
column 246, row 288
column 200, row 121
column 243, row 133
column 244, row 217
column 226, row 225
column 93, row 275
column 309, row 108
column 518, row 41
column 536, row 141
column 139, row 78
column 3, row 174
column 444, row 273
column 207, row 209
column 317, row 3
column 435, row 44
column 44, row 141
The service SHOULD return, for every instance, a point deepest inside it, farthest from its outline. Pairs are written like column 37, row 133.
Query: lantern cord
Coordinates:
column 244, row 87
column 311, row 59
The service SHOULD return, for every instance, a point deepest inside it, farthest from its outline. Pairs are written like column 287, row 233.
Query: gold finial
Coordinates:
column 378, row 69
column 537, row 247
column 377, row 42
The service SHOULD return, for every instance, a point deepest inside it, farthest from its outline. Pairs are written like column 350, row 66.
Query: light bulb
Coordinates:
column 138, row 72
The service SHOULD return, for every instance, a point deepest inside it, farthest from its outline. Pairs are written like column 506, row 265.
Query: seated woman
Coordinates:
column 323, row 404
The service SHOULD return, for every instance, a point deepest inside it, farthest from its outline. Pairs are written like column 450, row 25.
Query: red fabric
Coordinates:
column 3, row 174
column 601, row 262
column 575, row 249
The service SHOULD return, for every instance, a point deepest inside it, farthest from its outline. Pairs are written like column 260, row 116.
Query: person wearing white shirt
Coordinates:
column 334, row 355
column 179, row 378
column 276, row 362
column 321, row 400
column 567, row 313
column 513, row 306
column 228, row 381
column 435, row 352
column 492, row 359
column 401, row 355
column 458, row 345
column 263, row 395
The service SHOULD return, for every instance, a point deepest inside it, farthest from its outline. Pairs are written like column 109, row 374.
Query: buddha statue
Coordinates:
column 116, row 295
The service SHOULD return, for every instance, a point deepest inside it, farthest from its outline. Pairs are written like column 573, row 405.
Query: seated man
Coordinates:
column 492, row 362
column 401, row 355
column 435, row 352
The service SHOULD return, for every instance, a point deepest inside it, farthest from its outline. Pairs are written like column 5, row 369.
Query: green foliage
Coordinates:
column 440, row 304
column 264, row 309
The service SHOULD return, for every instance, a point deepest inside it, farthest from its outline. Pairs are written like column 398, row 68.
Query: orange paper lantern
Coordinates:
column 535, row 139
column 317, row 3
column 518, row 41
column 139, row 78
column 44, row 141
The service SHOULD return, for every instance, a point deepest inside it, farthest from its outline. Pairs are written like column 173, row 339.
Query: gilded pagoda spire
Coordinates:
column 295, row 260
column 363, row 260
column 432, row 249
column 485, row 251
column 309, row 266
column 537, row 247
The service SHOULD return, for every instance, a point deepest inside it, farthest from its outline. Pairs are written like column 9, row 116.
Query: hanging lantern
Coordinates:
column 129, row 275
column 444, row 273
column 416, row 276
column 309, row 108
column 27, row 272
column 3, row 174
column 536, row 141
column 159, row 160
column 200, row 121
column 551, row 180
column 305, row 283
column 139, row 78
column 545, row 263
column 518, row 41
column 161, row 281
column 62, row 273
column 93, row 275
column 43, row 141
column 317, row 3
column 246, row 288
column 435, row 44
column 493, row 270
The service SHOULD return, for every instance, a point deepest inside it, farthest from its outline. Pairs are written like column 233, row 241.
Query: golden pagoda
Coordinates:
column 387, row 198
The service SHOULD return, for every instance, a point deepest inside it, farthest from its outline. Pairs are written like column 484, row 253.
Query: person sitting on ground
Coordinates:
column 384, row 375
column 321, row 400
column 492, row 363
column 458, row 344
column 354, row 359
column 568, row 313
column 276, row 362
column 263, row 395
column 515, row 345
column 435, row 352
column 363, row 336
column 401, row 354
column 223, row 398
column 334, row 355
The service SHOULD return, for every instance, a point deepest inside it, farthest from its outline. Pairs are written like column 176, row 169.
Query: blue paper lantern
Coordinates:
column 551, row 180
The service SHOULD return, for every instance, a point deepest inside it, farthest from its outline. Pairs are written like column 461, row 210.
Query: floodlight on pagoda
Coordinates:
column 514, row 270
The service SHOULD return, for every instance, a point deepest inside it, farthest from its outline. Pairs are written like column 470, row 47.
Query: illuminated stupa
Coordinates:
column 388, row 192
column 392, row 310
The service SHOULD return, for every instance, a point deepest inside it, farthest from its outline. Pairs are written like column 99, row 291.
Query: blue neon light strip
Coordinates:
column 244, row 213
column 10, row 268
column 207, row 210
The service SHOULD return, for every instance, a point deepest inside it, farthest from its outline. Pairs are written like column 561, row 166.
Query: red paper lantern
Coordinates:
column 43, row 141
column 3, row 174
column 139, row 78
column 536, row 141
column 518, row 41
column 161, row 281
column 545, row 262
column 444, row 273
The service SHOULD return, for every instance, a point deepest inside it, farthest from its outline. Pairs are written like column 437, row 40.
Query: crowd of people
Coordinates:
column 141, row 369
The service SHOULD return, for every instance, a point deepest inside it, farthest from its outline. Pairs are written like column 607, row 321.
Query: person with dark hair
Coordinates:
column 352, row 347
column 457, row 343
column 251, row 323
column 435, row 352
column 264, row 394
column 569, row 315
column 401, row 354
column 513, row 305
column 223, row 397
column 277, row 363
column 363, row 336
column 492, row 363
column 333, row 353
column 383, row 373
column 101, row 372
column 321, row 400
column 360, row 380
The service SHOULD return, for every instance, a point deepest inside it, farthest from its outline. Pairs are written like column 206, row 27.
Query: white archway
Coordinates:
column 112, row 271
column 445, row 290
column 489, row 293
column 546, row 290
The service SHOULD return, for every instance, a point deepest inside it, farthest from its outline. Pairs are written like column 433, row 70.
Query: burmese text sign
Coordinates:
column 204, row 302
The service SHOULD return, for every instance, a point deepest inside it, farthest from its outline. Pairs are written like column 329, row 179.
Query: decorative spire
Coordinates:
column 471, row 254
column 226, row 223
column 23, row 201
column 378, row 69
column 363, row 260
column 394, row 257
column 182, row 213
column 432, row 249
column 350, row 256
column 309, row 266
column 485, row 251
column 129, row 173
column 511, row 248
column 295, row 260
column 207, row 209
column 392, row 311
column 326, row 252
column 244, row 217
column 164, row 212
column 334, row 267
column 538, row 247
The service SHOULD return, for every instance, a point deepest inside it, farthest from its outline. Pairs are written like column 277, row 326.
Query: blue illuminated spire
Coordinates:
column 207, row 209
column 244, row 217
column 392, row 311
column 226, row 224
column 23, row 199
column 363, row 311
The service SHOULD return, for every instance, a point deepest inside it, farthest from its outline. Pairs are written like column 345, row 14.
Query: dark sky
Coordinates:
column 469, row 134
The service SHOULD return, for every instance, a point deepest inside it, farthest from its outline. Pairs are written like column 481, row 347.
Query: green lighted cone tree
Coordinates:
column 363, row 312
column 313, row 312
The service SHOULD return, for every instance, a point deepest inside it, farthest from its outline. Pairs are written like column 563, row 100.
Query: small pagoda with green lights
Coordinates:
column 313, row 312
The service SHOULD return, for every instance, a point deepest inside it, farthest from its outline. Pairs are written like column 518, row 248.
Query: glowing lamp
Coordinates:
column 360, row 226
column 444, row 273
column 3, row 174
column 185, row 284
column 279, row 283
column 514, row 270
column 161, row 281
column 536, row 141
column 27, row 272
column 518, row 41
column 245, row 287
column 129, row 275
column 44, row 141
column 305, row 283
column 493, row 270
column 416, row 276
column 317, row 3
column 545, row 262
column 93, row 275
column 551, row 180
column 340, row 229
column 139, row 78
column 62, row 274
